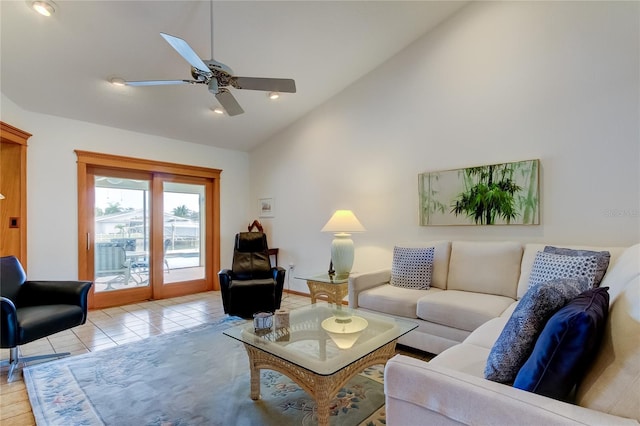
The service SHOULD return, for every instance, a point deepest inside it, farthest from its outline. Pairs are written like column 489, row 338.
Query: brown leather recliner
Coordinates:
column 251, row 285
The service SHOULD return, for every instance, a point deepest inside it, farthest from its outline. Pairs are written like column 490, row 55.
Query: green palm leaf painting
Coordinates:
column 496, row 194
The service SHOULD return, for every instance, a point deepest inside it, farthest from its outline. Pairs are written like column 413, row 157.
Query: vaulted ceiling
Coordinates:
column 62, row 65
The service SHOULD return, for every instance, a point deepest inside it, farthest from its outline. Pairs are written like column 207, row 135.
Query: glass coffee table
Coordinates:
column 324, row 346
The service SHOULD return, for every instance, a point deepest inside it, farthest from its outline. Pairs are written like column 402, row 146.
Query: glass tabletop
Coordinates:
column 323, row 278
column 323, row 337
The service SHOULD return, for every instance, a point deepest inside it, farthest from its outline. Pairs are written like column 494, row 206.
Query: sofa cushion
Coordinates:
column 433, row 338
column 485, row 267
column 519, row 335
column 602, row 259
column 412, row 267
column 393, row 300
column 616, row 369
column 461, row 309
column 509, row 311
column 464, row 357
column 549, row 266
column 486, row 335
column 565, row 346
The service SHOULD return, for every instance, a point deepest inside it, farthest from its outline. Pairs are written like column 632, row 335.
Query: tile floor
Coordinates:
column 110, row 327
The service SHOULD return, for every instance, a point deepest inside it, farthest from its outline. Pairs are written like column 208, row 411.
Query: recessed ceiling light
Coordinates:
column 273, row 95
column 44, row 7
column 116, row 81
column 218, row 110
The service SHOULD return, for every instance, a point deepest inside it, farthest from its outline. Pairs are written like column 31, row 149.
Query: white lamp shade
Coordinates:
column 343, row 221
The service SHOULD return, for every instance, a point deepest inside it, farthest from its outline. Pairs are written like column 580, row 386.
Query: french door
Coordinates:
column 146, row 234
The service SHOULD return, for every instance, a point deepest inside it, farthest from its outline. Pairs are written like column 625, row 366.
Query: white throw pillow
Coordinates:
column 550, row 266
column 603, row 258
column 412, row 267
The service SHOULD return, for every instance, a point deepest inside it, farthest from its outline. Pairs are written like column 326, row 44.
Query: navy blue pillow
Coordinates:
column 519, row 335
column 566, row 345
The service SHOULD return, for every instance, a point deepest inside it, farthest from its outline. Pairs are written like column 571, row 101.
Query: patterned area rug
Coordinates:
column 191, row 377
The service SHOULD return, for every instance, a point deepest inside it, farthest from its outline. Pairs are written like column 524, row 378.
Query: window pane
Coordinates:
column 121, row 233
column 184, row 232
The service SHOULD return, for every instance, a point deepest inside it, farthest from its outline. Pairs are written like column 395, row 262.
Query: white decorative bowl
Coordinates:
column 344, row 331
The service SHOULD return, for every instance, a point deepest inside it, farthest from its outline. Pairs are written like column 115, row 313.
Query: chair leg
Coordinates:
column 15, row 359
column 12, row 362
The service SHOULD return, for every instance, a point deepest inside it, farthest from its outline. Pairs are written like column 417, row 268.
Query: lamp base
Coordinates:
column 342, row 254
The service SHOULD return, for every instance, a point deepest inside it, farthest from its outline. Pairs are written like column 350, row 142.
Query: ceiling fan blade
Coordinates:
column 267, row 84
column 228, row 102
column 159, row 82
column 183, row 48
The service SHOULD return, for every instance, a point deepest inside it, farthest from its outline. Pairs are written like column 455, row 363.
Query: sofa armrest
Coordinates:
column 225, row 278
column 447, row 396
column 360, row 282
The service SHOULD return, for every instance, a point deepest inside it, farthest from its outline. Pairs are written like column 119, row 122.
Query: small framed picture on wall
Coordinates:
column 266, row 207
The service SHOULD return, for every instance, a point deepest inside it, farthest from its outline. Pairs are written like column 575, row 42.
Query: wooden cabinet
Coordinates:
column 13, row 186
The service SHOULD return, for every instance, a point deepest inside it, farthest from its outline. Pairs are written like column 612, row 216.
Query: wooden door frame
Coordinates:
column 87, row 159
column 186, row 287
column 15, row 189
column 123, row 296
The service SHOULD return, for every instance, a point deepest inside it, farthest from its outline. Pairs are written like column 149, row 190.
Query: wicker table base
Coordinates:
column 334, row 292
column 321, row 387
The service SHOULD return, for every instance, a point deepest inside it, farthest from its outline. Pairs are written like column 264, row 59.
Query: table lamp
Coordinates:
column 342, row 224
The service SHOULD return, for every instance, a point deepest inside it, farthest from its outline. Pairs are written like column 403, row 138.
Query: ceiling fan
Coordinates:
column 217, row 76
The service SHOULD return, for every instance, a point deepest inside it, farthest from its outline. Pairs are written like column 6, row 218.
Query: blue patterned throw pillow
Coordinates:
column 412, row 267
column 518, row 337
column 550, row 266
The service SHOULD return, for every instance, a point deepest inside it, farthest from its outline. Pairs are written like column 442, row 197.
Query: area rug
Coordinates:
column 191, row 377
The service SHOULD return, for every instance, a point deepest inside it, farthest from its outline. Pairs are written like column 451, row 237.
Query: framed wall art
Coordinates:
column 266, row 207
column 495, row 194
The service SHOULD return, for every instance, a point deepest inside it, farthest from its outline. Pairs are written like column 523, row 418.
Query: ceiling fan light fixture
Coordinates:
column 273, row 95
column 44, row 7
column 117, row 81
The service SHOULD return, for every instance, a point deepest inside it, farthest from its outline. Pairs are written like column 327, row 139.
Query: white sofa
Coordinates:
column 476, row 287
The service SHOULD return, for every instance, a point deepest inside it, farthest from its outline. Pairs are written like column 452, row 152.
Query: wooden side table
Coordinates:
column 274, row 252
column 334, row 288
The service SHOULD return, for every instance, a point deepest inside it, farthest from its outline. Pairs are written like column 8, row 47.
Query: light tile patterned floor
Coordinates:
column 110, row 327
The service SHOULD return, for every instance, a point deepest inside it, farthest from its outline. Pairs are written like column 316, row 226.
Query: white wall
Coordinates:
column 498, row 82
column 52, row 182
